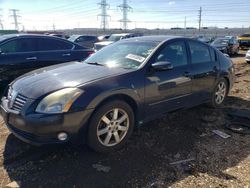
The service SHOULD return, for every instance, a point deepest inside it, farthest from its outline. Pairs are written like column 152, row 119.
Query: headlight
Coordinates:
column 59, row 101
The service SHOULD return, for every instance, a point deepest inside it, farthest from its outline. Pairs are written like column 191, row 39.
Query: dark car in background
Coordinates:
column 228, row 45
column 244, row 40
column 114, row 38
column 22, row 53
column 124, row 84
column 86, row 41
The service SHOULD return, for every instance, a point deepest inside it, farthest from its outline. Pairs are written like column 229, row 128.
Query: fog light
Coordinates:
column 62, row 136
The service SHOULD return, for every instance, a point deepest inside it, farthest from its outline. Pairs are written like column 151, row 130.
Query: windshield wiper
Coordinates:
column 95, row 63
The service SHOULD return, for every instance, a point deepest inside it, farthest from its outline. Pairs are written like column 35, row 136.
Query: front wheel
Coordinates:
column 111, row 126
column 219, row 93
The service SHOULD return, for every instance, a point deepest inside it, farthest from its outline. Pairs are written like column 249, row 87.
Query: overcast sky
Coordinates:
column 65, row 14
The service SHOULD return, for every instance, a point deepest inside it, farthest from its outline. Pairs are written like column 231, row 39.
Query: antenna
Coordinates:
column 104, row 6
column 125, row 8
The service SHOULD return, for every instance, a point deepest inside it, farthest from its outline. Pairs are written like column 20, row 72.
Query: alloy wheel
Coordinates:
column 220, row 93
column 113, row 127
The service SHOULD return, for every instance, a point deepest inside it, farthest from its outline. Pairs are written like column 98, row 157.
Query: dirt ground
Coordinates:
column 145, row 160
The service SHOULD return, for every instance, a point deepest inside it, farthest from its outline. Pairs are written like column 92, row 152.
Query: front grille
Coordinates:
column 19, row 102
column 16, row 100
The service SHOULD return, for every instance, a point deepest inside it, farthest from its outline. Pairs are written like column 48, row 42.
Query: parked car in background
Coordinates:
column 128, row 83
column 228, row 45
column 248, row 56
column 103, row 37
column 203, row 39
column 22, row 53
column 86, row 41
column 60, row 36
column 114, row 38
column 244, row 41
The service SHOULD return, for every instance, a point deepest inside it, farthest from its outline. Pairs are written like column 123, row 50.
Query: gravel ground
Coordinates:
column 146, row 160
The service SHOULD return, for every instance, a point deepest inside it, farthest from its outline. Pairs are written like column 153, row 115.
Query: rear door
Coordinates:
column 204, row 72
column 18, row 56
column 54, row 51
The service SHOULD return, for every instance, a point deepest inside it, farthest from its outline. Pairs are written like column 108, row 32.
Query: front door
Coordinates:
column 168, row 90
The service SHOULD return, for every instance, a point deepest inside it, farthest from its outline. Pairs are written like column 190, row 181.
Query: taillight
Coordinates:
column 90, row 53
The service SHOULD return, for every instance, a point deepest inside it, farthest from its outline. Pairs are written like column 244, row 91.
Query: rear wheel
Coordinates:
column 111, row 126
column 220, row 93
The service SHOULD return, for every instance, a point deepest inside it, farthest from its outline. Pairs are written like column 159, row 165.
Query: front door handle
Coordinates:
column 31, row 58
column 68, row 54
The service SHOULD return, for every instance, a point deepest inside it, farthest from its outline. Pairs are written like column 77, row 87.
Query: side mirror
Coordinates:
column 162, row 66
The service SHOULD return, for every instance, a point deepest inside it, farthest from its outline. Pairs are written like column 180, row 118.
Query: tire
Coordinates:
column 248, row 62
column 219, row 94
column 106, row 133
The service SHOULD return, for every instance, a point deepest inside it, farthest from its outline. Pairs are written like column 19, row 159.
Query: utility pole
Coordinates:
column 200, row 12
column 1, row 22
column 54, row 27
column 185, row 23
column 104, row 6
column 125, row 8
column 15, row 17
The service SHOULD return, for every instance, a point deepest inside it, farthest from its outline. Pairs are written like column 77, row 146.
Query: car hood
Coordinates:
column 49, row 79
column 219, row 45
column 104, row 43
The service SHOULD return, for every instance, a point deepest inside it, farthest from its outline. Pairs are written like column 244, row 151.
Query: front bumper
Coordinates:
column 39, row 129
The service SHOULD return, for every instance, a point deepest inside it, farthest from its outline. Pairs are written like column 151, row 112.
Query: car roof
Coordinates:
column 8, row 36
column 153, row 38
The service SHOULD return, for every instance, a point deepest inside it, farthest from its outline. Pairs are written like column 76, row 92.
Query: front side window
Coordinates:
column 199, row 52
column 175, row 53
column 18, row 45
column 129, row 55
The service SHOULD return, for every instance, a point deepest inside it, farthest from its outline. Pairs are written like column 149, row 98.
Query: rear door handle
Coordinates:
column 31, row 58
column 68, row 54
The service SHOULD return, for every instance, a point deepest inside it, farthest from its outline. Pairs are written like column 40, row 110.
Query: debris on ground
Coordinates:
column 101, row 168
column 182, row 161
column 221, row 134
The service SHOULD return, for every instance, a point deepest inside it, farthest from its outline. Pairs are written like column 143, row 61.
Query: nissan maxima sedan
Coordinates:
column 101, row 100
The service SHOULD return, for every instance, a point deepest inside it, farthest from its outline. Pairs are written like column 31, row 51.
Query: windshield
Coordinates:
column 128, row 55
column 73, row 38
column 114, row 38
column 221, row 42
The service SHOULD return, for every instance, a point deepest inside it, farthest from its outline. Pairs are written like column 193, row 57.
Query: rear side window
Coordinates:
column 53, row 44
column 199, row 52
column 175, row 53
column 19, row 45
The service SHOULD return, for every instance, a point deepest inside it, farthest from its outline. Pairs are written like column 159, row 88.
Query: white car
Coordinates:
column 248, row 56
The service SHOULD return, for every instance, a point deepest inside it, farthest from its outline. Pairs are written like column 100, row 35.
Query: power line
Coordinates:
column 15, row 17
column 104, row 16
column 125, row 8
